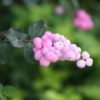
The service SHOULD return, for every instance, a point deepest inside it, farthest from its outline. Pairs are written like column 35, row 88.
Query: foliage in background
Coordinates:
column 60, row 81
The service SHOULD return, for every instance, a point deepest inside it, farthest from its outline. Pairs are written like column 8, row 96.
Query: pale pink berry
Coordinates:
column 38, row 55
column 52, row 49
column 78, row 56
column 58, row 45
column 44, row 62
column 51, row 57
column 70, row 55
column 85, row 55
column 81, row 63
column 77, row 50
column 37, row 42
column 46, row 42
column 73, row 46
column 62, row 38
column 89, row 62
column 58, row 53
column 66, row 48
column 56, row 37
column 67, row 42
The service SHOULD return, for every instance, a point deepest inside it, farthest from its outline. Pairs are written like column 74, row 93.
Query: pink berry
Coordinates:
column 44, row 62
column 67, row 42
column 51, row 57
column 48, row 34
column 62, row 38
column 89, row 62
column 58, row 53
column 56, row 37
column 70, row 55
column 46, row 42
column 37, row 55
column 81, row 63
column 37, row 42
column 85, row 55
column 35, row 49
column 73, row 46
column 45, row 50
column 78, row 56
column 66, row 48
column 78, row 49
column 58, row 45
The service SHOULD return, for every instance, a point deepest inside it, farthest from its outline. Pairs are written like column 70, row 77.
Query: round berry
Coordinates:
column 81, row 63
column 89, row 62
column 46, row 42
column 37, row 42
column 56, row 37
column 85, row 55
column 58, row 45
column 44, row 62
column 51, row 56
column 37, row 55
column 48, row 34
column 44, row 50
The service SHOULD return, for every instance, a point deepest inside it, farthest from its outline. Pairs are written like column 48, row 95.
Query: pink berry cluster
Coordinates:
column 55, row 47
column 83, row 20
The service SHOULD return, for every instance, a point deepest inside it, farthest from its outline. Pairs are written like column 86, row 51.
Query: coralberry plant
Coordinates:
column 83, row 20
column 43, row 46
column 53, row 47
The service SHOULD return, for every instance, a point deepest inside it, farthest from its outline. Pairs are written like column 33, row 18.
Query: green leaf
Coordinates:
column 2, row 97
column 37, row 29
column 28, row 53
column 90, row 91
column 5, row 52
column 16, row 38
column 1, row 87
column 8, row 91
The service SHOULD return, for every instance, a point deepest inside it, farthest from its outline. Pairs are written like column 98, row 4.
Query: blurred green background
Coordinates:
column 61, row 80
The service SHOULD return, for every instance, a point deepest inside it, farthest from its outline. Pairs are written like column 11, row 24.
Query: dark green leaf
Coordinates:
column 16, row 38
column 28, row 53
column 5, row 52
column 8, row 91
column 37, row 29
